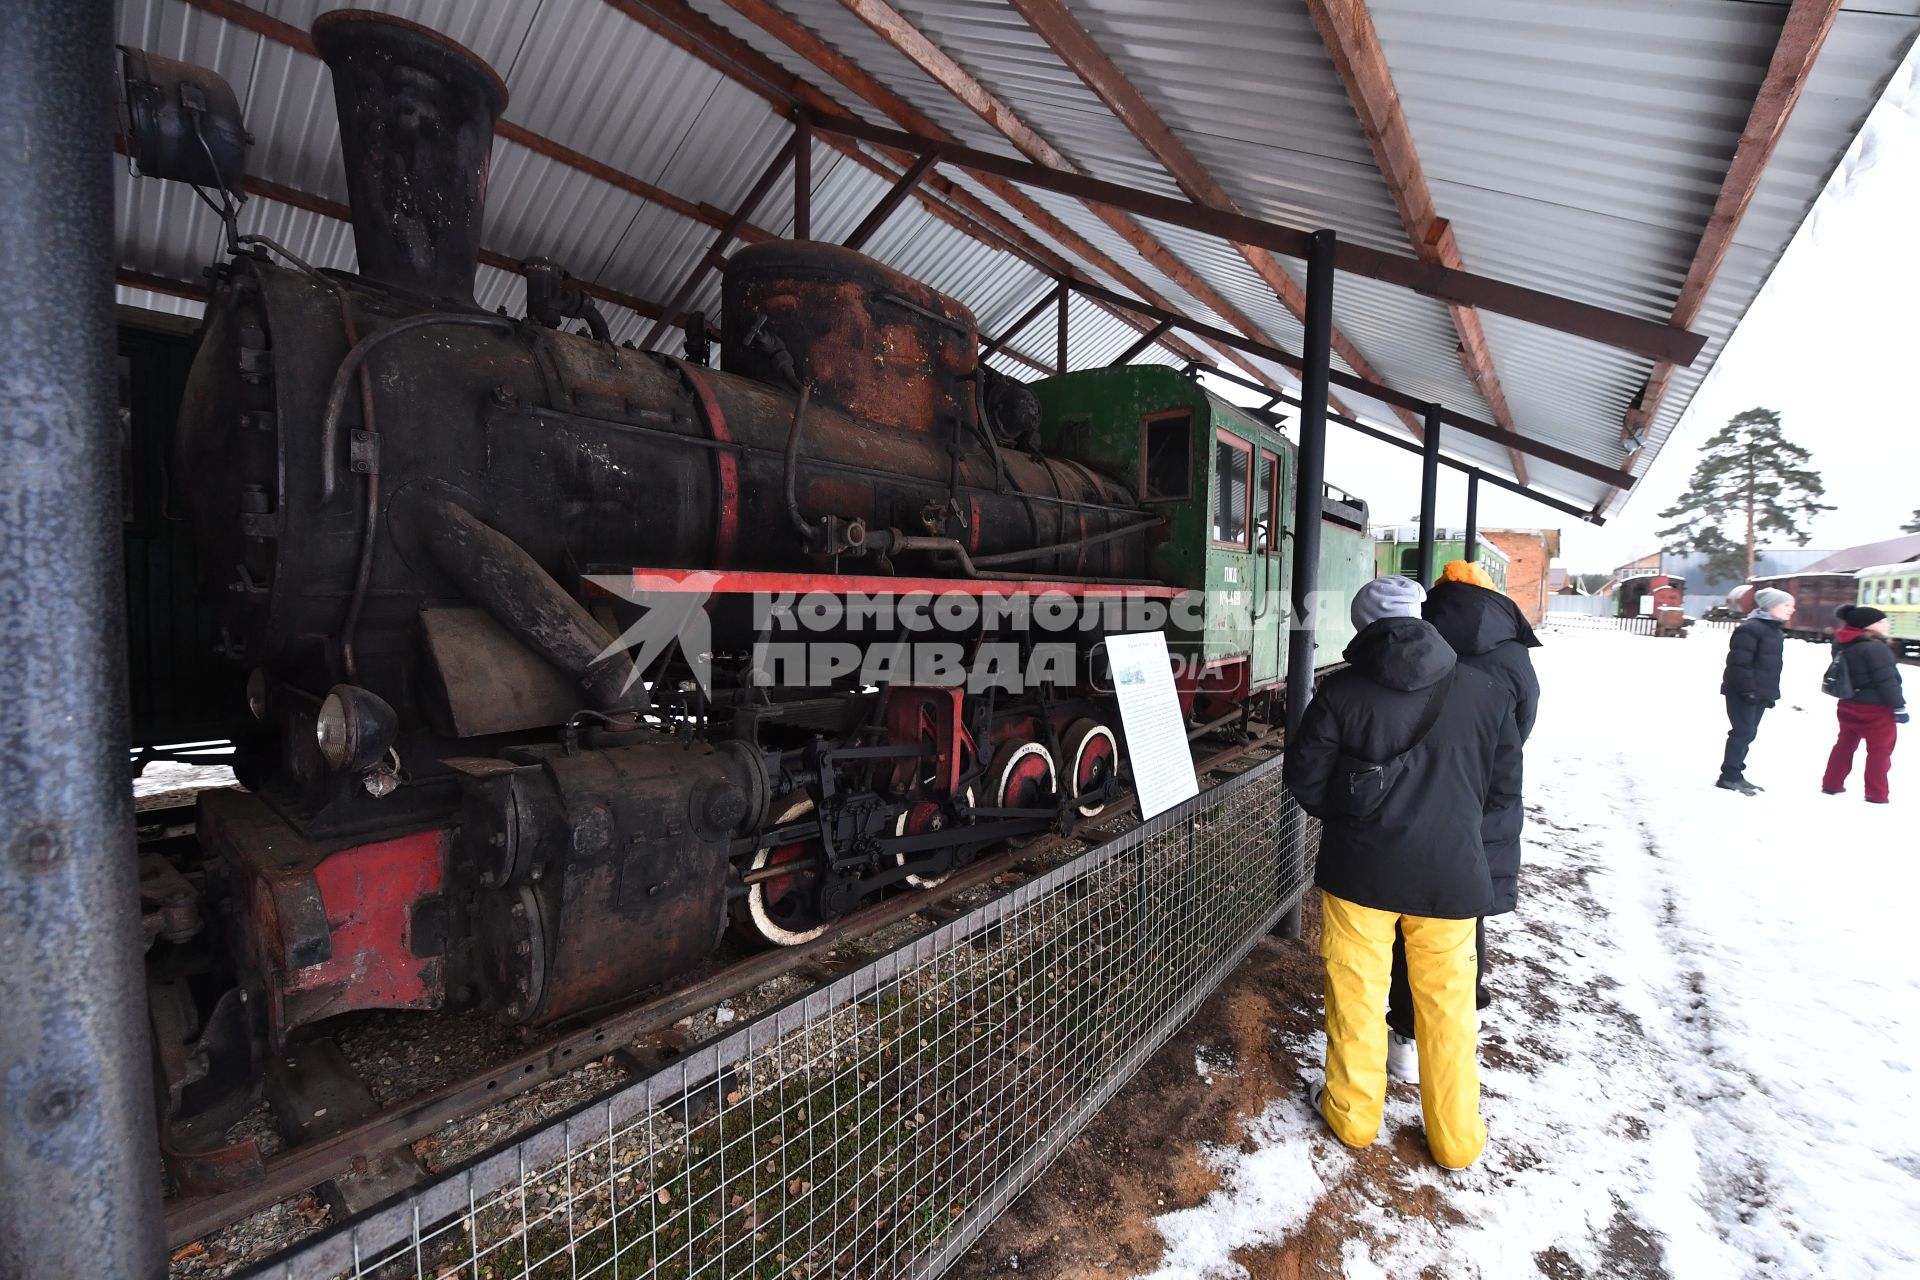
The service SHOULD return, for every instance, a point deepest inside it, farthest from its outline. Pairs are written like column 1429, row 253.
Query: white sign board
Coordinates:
column 1150, row 712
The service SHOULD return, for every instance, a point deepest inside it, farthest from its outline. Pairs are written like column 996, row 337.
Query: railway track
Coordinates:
column 360, row 1160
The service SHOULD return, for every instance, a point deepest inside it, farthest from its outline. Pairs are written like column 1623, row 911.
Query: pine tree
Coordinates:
column 1913, row 525
column 1751, row 474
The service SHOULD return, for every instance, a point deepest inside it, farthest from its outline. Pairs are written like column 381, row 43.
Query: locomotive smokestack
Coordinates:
column 416, row 131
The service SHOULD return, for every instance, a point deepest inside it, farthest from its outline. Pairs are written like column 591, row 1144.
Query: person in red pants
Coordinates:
column 1877, row 706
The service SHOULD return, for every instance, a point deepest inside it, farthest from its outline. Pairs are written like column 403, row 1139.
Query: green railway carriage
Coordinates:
column 1397, row 550
column 1895, row 589
column 1223, row 480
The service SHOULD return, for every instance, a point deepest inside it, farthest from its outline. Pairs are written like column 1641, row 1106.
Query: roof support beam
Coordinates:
column 1086, row 59
column 1147, row 339
column 1386, row 395
column 1346, row 28
column 1266, row 414
column 801, row 144
column 912, row 43
column 1650, row 338
column 1802, row 35
column 686, row 28
column 889, row 202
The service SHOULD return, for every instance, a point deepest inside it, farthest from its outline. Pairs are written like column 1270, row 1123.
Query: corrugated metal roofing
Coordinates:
column 1574, row 147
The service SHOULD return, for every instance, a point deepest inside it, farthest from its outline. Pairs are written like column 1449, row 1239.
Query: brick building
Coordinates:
column 1530, row 554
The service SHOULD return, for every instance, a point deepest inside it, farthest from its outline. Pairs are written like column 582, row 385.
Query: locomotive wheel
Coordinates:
column 928, row 816
column 1023, row 777
column 785, row 910
column 1093, row 757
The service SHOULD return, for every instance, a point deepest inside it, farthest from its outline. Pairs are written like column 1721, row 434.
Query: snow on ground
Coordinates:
column 1701, row 1057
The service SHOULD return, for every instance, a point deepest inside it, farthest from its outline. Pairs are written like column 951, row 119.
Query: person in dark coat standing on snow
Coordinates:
column 1487, row 631
column 1401, row 755
column 1877, row 703
column 1751, row 682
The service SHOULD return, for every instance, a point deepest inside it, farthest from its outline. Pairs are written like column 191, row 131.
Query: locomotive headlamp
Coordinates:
column 354, row 728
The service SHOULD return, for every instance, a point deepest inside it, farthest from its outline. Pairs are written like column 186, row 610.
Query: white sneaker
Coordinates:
column 1403, row 1058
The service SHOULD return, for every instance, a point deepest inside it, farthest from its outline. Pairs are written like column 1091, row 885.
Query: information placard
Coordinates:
column 1150, row 711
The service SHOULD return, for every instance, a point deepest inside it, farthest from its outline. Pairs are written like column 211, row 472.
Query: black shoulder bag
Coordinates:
column 1838, row 682
column 1361, row 786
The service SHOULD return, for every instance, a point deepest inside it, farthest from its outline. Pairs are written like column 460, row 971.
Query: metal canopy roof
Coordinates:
column 1652, row 157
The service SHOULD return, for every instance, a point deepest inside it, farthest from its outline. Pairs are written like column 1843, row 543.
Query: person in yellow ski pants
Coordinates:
column 1356, row 943
column 1407, row 756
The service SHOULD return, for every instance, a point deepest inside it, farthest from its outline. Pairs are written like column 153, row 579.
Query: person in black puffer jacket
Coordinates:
column 1412, row 862
column 1877, row 705
column 1751, row 682
column 1489, row 633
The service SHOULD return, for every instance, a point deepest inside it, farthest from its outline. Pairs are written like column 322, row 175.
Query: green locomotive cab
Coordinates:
column 1223, row 481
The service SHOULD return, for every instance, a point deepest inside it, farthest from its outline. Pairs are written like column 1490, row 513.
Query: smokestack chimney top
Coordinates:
column 416, row 134
column 334, row 28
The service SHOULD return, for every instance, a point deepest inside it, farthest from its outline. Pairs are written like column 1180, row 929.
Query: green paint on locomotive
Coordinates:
column 1223, row 480
column 1396, row 553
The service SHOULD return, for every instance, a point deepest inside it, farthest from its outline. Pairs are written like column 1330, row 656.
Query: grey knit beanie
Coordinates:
column 1770, row 597
column 1391, row 597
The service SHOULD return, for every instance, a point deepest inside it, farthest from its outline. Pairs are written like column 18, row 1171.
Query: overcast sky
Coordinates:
column 1831, row 343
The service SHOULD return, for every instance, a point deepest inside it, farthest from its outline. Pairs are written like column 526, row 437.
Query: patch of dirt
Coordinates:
column 1144, row 1154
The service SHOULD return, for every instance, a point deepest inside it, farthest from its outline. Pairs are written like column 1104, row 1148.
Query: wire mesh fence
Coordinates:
column 875, row 1126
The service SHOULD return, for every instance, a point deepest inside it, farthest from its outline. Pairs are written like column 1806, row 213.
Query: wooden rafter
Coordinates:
column 1801, row 38
column 1802, row 35
column 1346, row 28
column 694, row 33
column 1082, row 54
column 908, row 40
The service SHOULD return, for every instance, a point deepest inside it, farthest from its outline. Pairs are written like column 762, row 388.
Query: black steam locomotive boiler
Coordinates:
column 459, row 788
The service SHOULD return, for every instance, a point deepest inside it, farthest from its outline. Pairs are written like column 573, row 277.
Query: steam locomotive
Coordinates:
column 425, row 529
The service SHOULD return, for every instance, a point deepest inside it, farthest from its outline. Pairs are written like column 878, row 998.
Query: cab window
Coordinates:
column 1165, row 446
column 1232, row 485
column 1266, row 504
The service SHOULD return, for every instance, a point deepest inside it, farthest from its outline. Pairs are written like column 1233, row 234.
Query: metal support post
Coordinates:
column 1473, row 516
column 79, row 1162
column 803, row 178
column 1429, row 490
column 1060, row 337
column 1309, row 484
column 1310, row 461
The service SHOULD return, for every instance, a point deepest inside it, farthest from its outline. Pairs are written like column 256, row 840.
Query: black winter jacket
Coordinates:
column 1490, row 634
column 1875, row 671
column 1753, row 660
column 1421, row 852
column 1488, row 631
